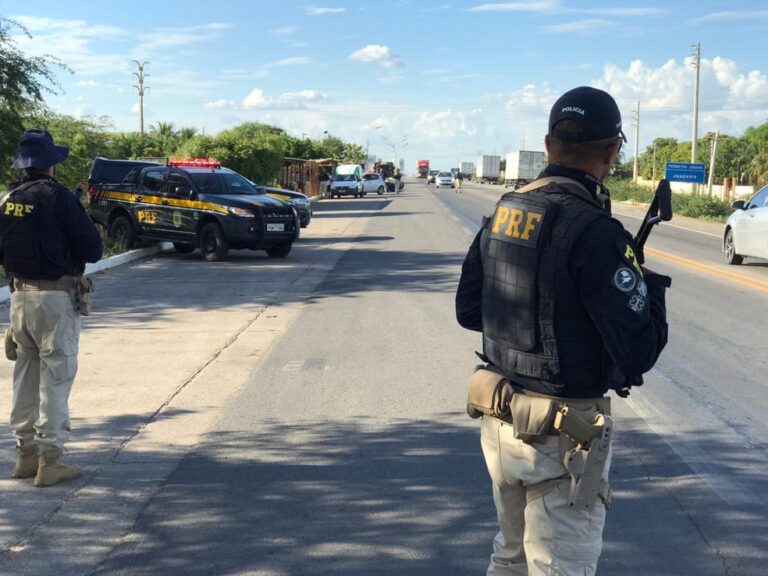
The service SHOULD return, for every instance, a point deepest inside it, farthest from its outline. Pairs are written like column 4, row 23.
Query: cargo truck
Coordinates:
column 487, row 169
column 467, row 169
column 523, row 167
column 423, row 168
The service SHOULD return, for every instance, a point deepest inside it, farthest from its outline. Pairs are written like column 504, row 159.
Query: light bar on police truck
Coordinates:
column 195, row 162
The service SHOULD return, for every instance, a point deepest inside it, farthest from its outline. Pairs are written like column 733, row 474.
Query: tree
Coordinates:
column 86, row 138
column 23, row 81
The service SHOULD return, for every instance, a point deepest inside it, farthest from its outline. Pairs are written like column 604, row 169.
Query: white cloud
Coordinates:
column 221, row 104
column 447, row 124
column 88, row 83
column 531, row 99
column 533, row 6
column 257, row 99
column 285, row 31
column 70, row 41
column 136, row 108
column 391, row 78
column 377, row 53
column 163, row 38
column 295, row 61
column 633, row 12
column 312, row 11
column 382, row 122
column 755, row 15
column 588, row 26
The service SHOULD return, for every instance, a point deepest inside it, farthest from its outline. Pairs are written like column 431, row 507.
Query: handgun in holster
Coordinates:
column 586, row 461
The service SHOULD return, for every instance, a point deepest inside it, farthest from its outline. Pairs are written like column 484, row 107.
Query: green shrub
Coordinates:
column 682, row 204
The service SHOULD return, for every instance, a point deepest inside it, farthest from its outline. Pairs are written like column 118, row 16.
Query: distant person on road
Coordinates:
column 566, row 313
column 457, row 181
column 47, row 238
column 398, row 184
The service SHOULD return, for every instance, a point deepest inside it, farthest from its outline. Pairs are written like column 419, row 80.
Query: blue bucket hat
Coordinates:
column 37, row 150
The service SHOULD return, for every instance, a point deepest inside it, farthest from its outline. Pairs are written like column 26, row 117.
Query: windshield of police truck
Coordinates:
column 222, row 183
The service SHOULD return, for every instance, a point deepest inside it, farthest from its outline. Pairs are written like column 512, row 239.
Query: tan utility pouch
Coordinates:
column 10, row 345
column 532, row 417
column 83, row 295
column 489, row 394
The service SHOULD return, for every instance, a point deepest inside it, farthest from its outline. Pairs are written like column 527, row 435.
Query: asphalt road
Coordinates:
column 347, row 450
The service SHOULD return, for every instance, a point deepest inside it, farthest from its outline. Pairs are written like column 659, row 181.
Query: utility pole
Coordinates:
column 696, row 63
column 637, row 143
column 712, row 157
column 653, row 177
column 140, row 75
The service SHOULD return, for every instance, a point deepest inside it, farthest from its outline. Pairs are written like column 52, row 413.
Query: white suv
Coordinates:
column 373, row 183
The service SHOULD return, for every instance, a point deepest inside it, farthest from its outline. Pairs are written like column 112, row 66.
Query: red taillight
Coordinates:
column 195, row 162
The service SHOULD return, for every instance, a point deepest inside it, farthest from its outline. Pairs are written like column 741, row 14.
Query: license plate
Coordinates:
column 275, row 227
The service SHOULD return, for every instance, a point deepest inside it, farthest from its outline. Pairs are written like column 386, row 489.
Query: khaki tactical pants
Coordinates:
column 542, row 536
column 46, row 329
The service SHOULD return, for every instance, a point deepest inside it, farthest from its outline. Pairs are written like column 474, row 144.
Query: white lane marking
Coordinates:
column 668, row 225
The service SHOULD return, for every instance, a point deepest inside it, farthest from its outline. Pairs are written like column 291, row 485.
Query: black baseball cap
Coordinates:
column 594, row 109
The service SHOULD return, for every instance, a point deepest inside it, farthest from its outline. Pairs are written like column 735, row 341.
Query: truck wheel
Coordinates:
column 730, row 250
column 183, row 248
column 279, row 250
column 380, row 191
column 123, row 232
column 213, row 244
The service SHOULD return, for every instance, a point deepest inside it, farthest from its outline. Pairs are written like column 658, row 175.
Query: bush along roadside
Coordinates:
column 702, row 207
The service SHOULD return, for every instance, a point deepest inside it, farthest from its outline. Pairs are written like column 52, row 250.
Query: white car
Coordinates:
column 444, row 179
column 374, row 183
column 746, row 231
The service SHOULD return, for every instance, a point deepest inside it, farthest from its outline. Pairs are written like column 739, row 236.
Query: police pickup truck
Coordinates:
column 192, row 203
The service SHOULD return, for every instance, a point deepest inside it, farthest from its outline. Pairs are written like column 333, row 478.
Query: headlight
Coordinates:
column 242, row 212
column 300, row 201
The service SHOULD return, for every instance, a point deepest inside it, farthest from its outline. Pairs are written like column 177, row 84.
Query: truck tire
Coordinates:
column 213, row 244
column 279, row 250
column 123, row 232
column 183, row 248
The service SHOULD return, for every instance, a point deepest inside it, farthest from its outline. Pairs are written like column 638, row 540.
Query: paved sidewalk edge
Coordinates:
column 111, row 262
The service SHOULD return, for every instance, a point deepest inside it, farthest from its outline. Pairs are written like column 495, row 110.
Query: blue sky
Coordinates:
column 447, row 80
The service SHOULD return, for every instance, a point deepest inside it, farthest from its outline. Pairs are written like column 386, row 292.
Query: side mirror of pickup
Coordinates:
column 192, row 195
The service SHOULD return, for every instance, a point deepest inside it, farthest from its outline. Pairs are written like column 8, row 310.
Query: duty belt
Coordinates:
column 63, row 284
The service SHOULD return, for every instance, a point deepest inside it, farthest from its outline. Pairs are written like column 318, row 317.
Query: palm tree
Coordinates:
column 165, row 136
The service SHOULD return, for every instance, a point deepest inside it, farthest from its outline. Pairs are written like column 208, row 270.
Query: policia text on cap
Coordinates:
column 46, row 239
column 567, row 313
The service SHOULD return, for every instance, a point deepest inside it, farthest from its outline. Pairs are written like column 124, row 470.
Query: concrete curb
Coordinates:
column 111, row 262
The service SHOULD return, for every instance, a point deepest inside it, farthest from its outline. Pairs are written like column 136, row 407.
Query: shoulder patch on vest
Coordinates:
column 518, row 223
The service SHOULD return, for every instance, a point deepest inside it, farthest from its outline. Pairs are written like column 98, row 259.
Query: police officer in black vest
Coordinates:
column 46, row 239
column 566, row 313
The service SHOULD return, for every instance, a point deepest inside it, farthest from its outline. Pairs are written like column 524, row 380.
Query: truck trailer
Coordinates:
column 523, row 167
column 487, row 169
column 467, row 169
column 423, row 168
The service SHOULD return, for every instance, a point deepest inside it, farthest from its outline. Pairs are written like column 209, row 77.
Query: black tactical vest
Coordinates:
column 33, row 245
column 525, row 248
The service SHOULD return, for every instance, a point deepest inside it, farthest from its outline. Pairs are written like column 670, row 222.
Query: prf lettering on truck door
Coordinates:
column 517, row 223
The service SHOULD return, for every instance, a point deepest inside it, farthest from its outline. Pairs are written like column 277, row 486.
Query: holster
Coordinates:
column 10, row 345
column 82, row 295
column 586, row 461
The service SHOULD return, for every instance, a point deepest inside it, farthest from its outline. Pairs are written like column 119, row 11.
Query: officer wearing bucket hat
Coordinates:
column 566, row 313
column 46, row 239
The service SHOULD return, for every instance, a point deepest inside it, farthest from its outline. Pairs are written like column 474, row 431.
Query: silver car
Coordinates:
column 746, row 231
column 444, row 180
column 373, row 183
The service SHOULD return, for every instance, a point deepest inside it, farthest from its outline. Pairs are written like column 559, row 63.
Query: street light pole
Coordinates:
column 140, row 75
column 696, row 63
